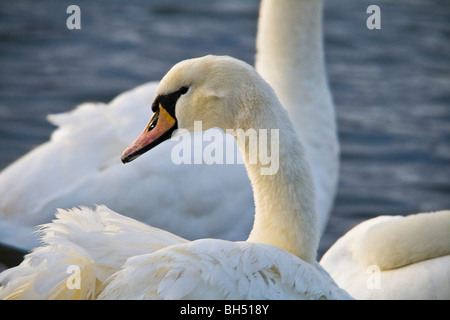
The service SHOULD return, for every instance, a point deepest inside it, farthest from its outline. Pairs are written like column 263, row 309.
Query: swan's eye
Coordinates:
column 183, row 90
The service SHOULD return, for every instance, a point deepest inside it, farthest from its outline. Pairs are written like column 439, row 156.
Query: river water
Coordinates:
column 390, row 86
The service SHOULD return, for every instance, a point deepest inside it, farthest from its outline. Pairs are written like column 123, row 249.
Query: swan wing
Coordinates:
column 82, row 248
column 218, row 269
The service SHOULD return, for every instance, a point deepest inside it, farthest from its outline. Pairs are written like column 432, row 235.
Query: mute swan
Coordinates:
column 394, row 257
column 78, row 166
column 278, row 261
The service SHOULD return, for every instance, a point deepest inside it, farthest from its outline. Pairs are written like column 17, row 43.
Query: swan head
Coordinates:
column 211, row 89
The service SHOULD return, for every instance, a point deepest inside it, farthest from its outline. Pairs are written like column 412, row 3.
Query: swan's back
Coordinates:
column 394, row 257
column 119, row 258
column 401, row 241
column 218, row 269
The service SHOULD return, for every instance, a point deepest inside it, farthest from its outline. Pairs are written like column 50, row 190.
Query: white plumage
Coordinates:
column 99, row 243
column 218, row 269
column 394, row 257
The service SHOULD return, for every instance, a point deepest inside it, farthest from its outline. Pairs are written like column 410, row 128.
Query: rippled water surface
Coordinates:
column 390, row 86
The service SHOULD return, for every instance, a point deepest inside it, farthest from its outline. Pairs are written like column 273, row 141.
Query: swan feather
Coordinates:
column 394, row 257
column 219, row 269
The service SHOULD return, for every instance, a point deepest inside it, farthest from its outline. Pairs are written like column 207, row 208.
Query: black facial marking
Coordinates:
column 169, row 101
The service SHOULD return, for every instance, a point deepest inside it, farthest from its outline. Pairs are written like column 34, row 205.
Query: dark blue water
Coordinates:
column 390, row 86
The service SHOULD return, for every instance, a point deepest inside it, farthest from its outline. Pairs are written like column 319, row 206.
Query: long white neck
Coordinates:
column 290, row 57
column 285, row 214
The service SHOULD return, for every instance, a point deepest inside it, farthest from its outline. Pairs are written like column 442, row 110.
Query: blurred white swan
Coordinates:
column 117, row 257
column 394, row 257
column 80, row 164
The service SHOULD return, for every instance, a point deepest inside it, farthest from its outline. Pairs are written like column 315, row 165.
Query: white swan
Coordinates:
column 276, row 262
column 394, row 257
column 79, row 165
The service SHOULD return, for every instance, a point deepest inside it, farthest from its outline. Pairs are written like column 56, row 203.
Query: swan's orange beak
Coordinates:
column 159, row 129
